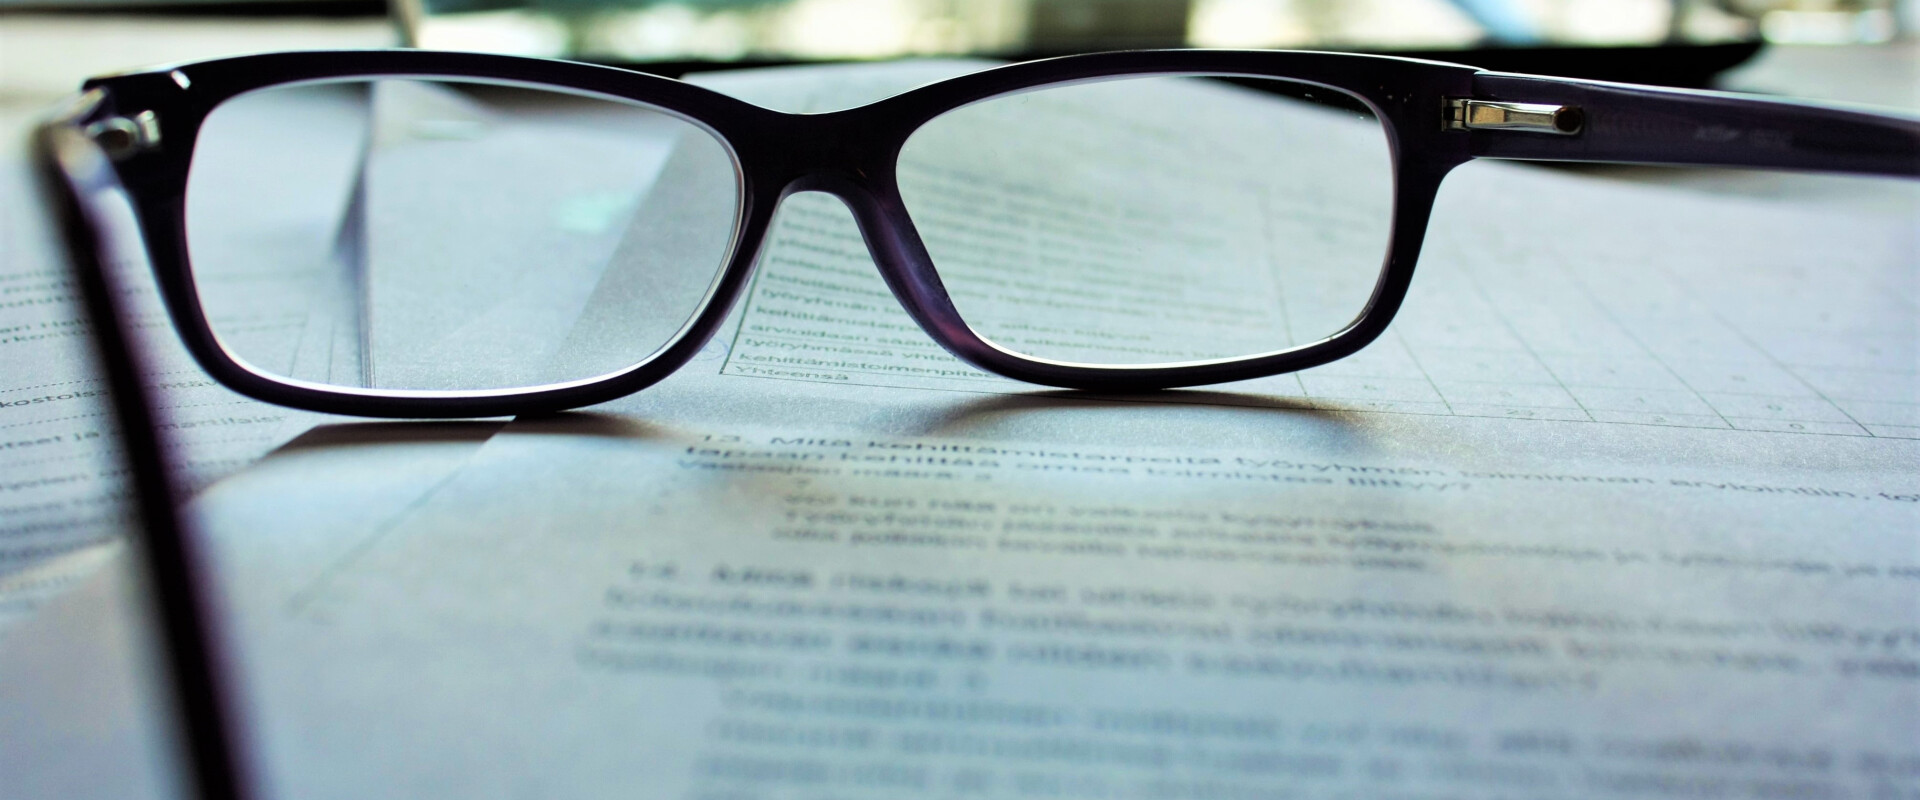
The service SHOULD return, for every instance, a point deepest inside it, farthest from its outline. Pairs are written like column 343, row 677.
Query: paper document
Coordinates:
column 1623, row 506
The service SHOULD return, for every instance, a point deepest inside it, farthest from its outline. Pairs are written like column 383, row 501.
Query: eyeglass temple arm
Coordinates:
column 1620, row 123
column 69, row 167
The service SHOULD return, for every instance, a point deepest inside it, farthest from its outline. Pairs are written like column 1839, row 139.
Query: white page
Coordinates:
column 1622, row 510
column 614, row 605
column 83, row 712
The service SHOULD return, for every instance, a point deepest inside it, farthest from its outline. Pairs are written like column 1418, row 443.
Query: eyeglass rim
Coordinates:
column 852, row 153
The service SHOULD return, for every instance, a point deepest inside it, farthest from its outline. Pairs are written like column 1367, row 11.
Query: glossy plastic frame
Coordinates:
column 851, row 154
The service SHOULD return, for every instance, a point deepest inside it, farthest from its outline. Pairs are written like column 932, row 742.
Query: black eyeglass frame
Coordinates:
column 1436, row 116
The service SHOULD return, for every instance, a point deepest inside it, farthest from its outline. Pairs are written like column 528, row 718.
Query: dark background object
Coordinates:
column 1053, row 28
column 1680, row 65
column 1687, row 65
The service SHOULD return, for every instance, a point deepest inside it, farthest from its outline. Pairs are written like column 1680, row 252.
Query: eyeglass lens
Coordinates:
column 410, row 234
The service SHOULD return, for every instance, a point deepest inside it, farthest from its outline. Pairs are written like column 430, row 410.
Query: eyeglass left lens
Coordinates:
column 437, row 235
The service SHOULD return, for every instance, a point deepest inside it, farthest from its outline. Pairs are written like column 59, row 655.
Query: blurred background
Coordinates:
column 725, row 30
column 1681, row 42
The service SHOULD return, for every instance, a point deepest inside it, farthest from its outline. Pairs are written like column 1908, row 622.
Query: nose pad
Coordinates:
column 817, row 243
column 819, row 309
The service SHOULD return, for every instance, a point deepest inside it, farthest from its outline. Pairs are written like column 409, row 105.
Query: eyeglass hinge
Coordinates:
column 122, row 137
column 1465, row 114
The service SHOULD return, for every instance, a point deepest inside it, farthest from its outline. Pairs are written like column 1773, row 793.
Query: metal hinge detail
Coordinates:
column 121, row 137
column 1463, row 114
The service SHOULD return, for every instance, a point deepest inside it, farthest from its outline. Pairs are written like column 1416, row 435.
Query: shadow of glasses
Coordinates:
column 972, row 414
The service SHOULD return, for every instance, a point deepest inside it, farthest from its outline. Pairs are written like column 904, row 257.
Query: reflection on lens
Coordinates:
column 400, row 234
column 1155, row 220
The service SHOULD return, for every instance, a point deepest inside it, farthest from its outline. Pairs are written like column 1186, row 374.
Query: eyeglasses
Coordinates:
column 421, row 234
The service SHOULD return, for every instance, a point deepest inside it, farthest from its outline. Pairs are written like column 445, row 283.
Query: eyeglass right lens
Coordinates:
column 1155, row 220
column 432, row 235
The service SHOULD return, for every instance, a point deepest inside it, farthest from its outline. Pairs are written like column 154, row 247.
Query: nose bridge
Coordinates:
column 843, row 153
column 849, row 155
column 846, row 154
